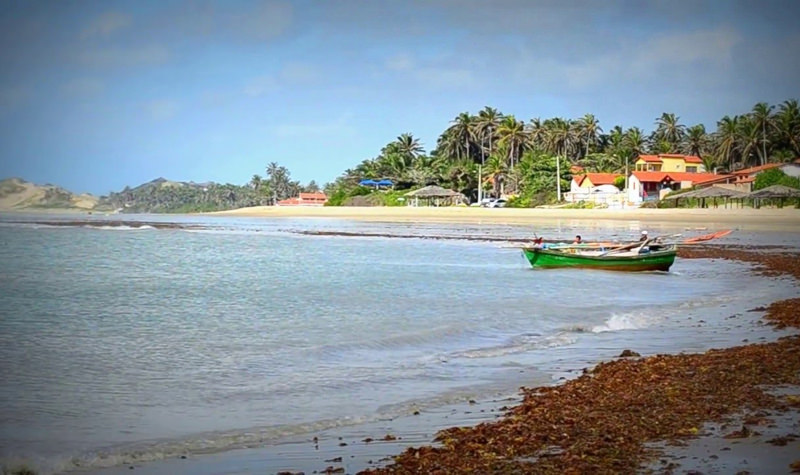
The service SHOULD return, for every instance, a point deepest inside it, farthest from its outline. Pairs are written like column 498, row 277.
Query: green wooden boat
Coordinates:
column 626, row 258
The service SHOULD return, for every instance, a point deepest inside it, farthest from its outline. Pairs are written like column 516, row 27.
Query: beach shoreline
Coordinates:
column 747, row 218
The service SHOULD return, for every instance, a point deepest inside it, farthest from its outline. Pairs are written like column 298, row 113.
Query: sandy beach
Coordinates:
column 784, row 219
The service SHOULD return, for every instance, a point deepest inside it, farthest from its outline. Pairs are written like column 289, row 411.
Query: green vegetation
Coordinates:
column 163, row 196
column 518, row 159
column 775, row 176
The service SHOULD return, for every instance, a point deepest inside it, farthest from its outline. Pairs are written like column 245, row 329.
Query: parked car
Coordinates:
column 493, row 202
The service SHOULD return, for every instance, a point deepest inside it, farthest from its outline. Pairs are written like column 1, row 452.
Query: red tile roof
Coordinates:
column 313, row 196
column 754, row 170
column 598, row 179
column 652, row 177
column 695, row 178
column 650, row 158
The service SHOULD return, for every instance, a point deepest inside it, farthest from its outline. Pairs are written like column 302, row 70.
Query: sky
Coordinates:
column 96, row 95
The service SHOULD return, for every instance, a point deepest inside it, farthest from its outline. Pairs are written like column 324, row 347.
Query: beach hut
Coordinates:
column 434, row 196
column 713, row 192
column 779, row 192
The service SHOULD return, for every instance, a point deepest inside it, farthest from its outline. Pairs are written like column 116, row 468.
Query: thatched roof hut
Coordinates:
column 776, row 191
column 711, row 192
column 435, row 196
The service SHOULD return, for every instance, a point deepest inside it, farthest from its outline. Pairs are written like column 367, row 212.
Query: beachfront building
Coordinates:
column 598, row 188
column 653, row 186
column 668, row 162
column 305, row 199
column 747, row 176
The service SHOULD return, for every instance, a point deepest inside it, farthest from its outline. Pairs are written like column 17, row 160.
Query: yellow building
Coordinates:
column 669, row 163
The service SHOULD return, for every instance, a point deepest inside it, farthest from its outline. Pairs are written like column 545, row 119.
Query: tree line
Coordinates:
column 523, row 158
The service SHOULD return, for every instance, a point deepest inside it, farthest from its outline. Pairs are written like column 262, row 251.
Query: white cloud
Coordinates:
column 118, row 56
column 666, row 58
column 105, row 24
column 83, row 87
column 163, row 109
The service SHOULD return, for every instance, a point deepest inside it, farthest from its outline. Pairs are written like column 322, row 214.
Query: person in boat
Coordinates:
column 578, row 240
column 538, row 241
column 644, row 236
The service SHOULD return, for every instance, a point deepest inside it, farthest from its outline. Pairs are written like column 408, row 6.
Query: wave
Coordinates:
column 624, row 321
column 520, row 344
column 199, row 444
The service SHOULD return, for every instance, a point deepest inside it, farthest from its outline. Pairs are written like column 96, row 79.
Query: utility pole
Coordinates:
column 480, row 184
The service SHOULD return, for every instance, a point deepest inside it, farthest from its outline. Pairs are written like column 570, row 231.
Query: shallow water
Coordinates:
column 115, row 340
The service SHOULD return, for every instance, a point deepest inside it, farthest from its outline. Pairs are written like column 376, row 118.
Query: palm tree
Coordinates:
column 634, row 141
column 485, row 128
column 408, row 146
column 561, row 138
column 727, row 136
column 696, row 140
column 537, row 134
column 669, row 130
column 750, row 140
column 255, row 182
column 460, row 135
column 709, row 162
column 496, row 173
column 588, row 130
column 787, row 122
column 763, row 121
column 513, row 137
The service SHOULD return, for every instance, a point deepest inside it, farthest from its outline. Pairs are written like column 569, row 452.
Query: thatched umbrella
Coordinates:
column 776, row 191
column 436, row 193
column 711, row 192
column 780, row 192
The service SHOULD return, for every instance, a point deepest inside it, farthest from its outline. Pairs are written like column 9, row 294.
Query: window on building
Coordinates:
column 691, row 169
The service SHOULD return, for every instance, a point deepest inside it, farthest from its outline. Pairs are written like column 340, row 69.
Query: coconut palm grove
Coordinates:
column 521, row 159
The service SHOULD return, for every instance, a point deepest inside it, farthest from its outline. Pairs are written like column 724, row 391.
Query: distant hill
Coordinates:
column 18, row 194
column 156, row 196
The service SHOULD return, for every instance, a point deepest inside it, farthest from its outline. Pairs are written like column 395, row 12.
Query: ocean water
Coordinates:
column 148, row 342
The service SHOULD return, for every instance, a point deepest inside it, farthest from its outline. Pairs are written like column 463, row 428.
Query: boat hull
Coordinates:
column 551, row 259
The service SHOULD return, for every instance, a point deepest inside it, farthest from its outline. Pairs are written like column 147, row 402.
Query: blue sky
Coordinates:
column 97, row 95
